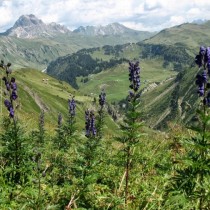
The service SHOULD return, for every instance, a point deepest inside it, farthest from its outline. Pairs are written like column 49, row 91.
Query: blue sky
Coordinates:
column 151, row 15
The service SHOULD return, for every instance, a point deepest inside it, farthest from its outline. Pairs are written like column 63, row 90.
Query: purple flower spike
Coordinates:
column 90, row 129
column 204, row 76
column 7, row 86
column 102, row 98
column 11, row 112
column 72, row 107
column 203, row 58
column 134, row 76
column 6, row 83
column 201, row 91
column 14, row 95
column 7, row 103
column 198, row 60
column 201, row 80
column 13, row 85
column 202, row 50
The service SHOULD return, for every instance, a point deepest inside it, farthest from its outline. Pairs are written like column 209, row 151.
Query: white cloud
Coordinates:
column 142, row 15
column 176, row 20
column 6, row 14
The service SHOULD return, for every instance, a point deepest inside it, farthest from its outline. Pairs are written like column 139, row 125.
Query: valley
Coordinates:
column 90, row 61
column 84, row 125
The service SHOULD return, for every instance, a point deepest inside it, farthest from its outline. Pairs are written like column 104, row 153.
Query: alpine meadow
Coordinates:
column 104, row 117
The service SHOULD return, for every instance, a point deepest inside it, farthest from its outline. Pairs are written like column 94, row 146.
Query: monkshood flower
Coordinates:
column 200, row 59
column 11, row 112
column 202, row 51
column 102, row 98
column 206, row 100
column 72, row 106
column 207, row 59
column 11, row 88
column 134, row 77
column 6, row 82
column 14, row 95
column 201, row 80
column 90, row 129
column 8, row 104
column 13, row 84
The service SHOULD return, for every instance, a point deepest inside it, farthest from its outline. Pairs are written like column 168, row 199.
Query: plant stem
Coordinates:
column 39, row 184
column 202, row 153
column 127, row 175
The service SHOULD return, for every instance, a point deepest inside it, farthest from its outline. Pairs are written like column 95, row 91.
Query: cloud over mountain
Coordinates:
column 150, row 15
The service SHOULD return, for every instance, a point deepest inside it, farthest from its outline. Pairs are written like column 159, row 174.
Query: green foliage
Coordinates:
column 177, row 54
column 191, row 174
column 15, row 154
column 78, row 64
column 66, row 169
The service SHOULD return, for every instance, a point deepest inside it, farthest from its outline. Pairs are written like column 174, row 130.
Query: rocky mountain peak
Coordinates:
column 29, row 26
column 110, row 29
column 27, row 20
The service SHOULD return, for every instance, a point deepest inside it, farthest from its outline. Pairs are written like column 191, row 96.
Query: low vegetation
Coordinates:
column 87, row 161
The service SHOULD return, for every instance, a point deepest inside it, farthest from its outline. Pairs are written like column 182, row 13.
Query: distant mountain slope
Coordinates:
column 189, row 35
column 111, row 29
column 177, row 47
column 94, row 60
column 175, row 100
column 166, row 97
column 29, row 26
column 32, row 43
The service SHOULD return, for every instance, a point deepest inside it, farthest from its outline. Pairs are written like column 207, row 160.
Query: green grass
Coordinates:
column 190, row 35
column 53, row 95
column 115, row 81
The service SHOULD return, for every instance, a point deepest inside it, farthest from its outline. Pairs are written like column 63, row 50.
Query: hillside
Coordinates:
column 85, row 68
column 38, row 91
column 162, row 57
column 111, row 30
column 32, row 43
column 189, row 35
column 175, row 100
column 168, row 53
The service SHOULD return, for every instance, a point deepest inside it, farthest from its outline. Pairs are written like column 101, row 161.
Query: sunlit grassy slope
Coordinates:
column 115, row 80
column 168, row 95
column 188, row 34
column 175, row 100
column 51, row 96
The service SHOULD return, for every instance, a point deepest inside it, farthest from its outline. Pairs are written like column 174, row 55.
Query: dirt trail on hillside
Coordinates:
column 162, row 94
column 162, row 117
column 37, row 99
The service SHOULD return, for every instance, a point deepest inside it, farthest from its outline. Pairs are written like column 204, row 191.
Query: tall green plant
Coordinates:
column 131, row 125
column 39, row 137
column 190, row 181
column 16, row 167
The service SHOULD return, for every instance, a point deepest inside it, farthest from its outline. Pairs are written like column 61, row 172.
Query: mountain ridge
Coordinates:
column 29, row 26
column 32, row 43
column 110, row 29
